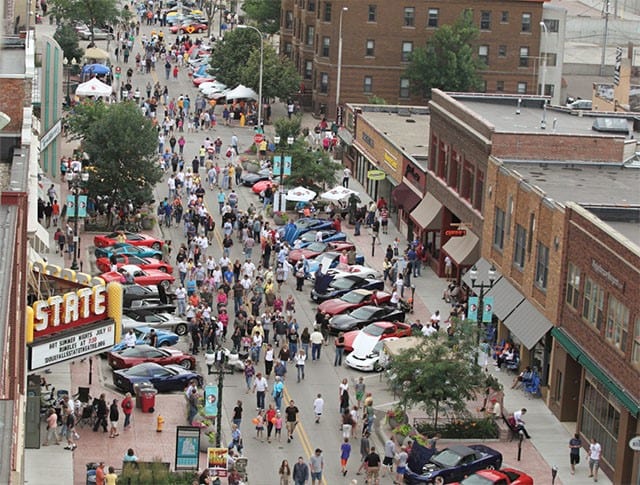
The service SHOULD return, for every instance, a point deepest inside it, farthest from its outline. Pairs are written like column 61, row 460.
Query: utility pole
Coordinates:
column 604, row 37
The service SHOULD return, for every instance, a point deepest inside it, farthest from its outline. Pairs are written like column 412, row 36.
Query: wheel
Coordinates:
column 439, row 481
column 165, row 284
column 491, row 467
column 164, row 344
column 163, row 269
column 186, row 363
column 156, row 246
column 181, row 329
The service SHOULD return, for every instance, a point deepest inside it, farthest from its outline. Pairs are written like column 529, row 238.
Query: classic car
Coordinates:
column 506, row 476
column 165, row 339
column 366, row 352
column 309, row 237
column 125, row 358
column 291, row 232
column 164, row 321
column 129, row 250
column 189, row 27
column 327, row 287
column 163, row 377
column 383, row 330
column 249, row 178
column 130, row 273
column 317, row 248
column 363, row 316
column 352, row 300
column 133, row 238
column 331, row 259
column 104, row 264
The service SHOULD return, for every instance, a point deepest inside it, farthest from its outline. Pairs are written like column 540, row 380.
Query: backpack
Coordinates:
column 511, row 421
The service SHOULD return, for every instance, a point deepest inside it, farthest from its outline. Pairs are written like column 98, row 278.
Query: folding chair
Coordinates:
column 83, row 395
column 87, row 416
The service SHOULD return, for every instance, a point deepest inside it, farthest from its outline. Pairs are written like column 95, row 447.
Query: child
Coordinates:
column 278, row 426
column 345, row 451
column 259, row 425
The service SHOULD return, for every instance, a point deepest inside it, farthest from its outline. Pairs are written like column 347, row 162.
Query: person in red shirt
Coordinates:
column 127, row 409
column 100, row 474
column 381, row 203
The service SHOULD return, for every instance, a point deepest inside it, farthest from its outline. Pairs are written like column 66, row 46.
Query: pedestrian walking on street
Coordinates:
column 365, row 449
column 52, row 428
column 389, row 455
column 127, row 409
column 318, row 406
column 316, row 465
column 345, row 452
column 360, row 389
column 339, row 343
column 114, row 417
column 300, row 472
column 237, row 414
column 100, row 405
column 300, row 359
column 575, row 445
column 285, row 473
column 595, row 451
column 271, row 421
column 260, row 387
column 373, row 467
column 291, row 413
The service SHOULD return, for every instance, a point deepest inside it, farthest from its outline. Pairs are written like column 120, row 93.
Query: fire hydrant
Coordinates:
column 159, row 423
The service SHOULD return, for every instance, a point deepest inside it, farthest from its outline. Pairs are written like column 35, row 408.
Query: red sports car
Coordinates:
column 262, row 185
column 132, row 238
column 197, row 81
column 317, row 248
column 130, row 273
column 128, row 357
column 104, row 264
column 190, row 28
column 378, row 329
column 506, row 476
column 353, row 299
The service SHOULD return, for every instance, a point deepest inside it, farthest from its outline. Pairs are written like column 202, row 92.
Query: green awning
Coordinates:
column 575, row 351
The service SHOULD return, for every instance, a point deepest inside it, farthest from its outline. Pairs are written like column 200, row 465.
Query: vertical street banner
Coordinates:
column 472, row 312
column 71, row 206
column 277, row 164
column 82, row 206
column 217, row 458
column 618, row 66
column 287, row 166
column 487, row 311
column 187, row 448
column 211, row 400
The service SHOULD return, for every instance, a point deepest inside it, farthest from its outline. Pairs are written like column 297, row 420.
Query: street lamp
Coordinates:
column 243, row 26
column 484, row 288
column 282, row 203
column 75, row 179
column 221, row 6
column 339, row 76
column 544, row 57
column 68, row 66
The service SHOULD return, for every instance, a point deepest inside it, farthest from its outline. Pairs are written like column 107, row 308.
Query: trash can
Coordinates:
column 138, row 388
column 148, row 398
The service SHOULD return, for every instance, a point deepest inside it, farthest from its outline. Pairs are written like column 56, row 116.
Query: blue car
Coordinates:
column 165, row 338
column 128, row 250
column 449, row 465
column 327, row 261
column 294, row 230
column 309, row 237
column 163, row 377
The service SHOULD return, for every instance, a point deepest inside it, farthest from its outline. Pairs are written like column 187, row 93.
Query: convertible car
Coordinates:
column 130, row 273
column 165, row 338
column 125, row 358
column 309, row 237
column 129, row 250
column 104, row 264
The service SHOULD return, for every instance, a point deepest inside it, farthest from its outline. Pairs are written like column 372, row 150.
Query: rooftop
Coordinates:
column 12, row 62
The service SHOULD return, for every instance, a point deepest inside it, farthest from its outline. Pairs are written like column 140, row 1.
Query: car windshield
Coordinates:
column 363, row 313
column 316, row 247
column 476, row 480
column 308, row 236
column 342, row 283
column 446, row 459
column 353, row 297
column 373, row 330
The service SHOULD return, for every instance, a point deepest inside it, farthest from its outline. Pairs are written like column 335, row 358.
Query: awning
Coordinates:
column 403, row 196
column 345, row 135
column 482, row 265
column 463, row 250
column 528, row 324
column 505, row 298
column 576, row 352
column 428, row 213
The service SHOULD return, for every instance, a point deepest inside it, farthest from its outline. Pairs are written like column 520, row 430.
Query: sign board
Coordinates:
column 211, row 400
column 217, row 458
column 71, row 205
column 376, row 175
column 67, row 346
column 634, row 443
column 487, row 311
column 187, row 448
column 472, row 312
column 287, row 166
column 50, row 135
column 258, row 138
column 277, row 163
column 455, row 232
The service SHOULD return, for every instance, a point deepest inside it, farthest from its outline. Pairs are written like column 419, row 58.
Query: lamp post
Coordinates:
column 544, row 57
column 484, row 288
column 75, row 179
column 68, row 66
column 339, row 74
column 282, row 204
column 221, row 6
column 243, row 26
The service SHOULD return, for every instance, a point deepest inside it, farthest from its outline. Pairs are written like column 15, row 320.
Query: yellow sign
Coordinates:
column 391, row 160
column 190, row 29
column 376, row 175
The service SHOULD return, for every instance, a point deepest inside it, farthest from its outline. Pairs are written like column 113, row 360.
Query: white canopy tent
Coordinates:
column 300, row 194
column 338, row 193
column 241, row 92
column 94, row 87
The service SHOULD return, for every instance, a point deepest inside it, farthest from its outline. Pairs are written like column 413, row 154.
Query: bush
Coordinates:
column 459, row 429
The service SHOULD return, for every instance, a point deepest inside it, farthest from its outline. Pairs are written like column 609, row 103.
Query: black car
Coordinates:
column 326, row 287
column 131, row 293
column 363, row 316
column 163, row 377
column 249, row 178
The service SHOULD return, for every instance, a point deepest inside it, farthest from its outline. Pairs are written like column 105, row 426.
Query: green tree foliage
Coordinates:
column 279, row 76
column 67, row 37
column 265, row 14
column 439, row 373
column 94, row 13
column 448, row 61
column 121, row 144
column 228, row 57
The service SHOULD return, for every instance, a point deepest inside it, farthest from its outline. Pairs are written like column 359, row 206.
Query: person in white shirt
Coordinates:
column 395, row 297
column 595, row 450
column 130, row 339
column 316, row 340
column 181, row 300
column 318, row 236
column 428, row 330
column 260, row 387
column 517, row 416
column 299, row 359
column 318, row 406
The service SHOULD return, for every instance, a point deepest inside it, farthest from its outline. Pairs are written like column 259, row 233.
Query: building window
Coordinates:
column 308, row 69
column 432, row 20
column 500, row 86
column 498, row 229
column 504, row 17
column 485, row 20
column 370, row 48
column 327, row 11
column 526, row 22
column 467, row 181
column 324, row 82
column 600, row 418
column 520, row 244
column 552, row 58
column 617, row 330
column 326, row 44
column 367, row 86
column 522, row 88
column 593, row 304
column 311, row 32
column 573, row 286
column 443, row 153
column 288, row 20
column 409, row 16
column 373, row 14
column 524, row 57
column 454, row 170
column 407, row 49
column 311, row 6
column 483, row 54
column 553, row 25
column 635, row 351
column 478, row 193
column 288, row 48
column 404, row 88
column 502, row 51
column 542, row 266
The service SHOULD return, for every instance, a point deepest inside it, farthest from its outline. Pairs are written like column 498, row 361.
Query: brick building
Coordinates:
column 379, row 37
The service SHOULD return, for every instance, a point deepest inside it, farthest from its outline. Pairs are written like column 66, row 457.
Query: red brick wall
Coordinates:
column 12, row 97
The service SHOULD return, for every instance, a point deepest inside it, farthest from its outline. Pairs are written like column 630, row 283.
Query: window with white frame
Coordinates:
column 593, row 303
column 617, row 330
column 407, row 49
column 367, row 85
column 409, row 16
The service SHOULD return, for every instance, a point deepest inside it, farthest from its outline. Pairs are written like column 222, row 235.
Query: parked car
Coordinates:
column 154, row 305
column 328, row 260
column 98, row 34
column 125, row 358
column 128, row 250
column 366, row 353
column 249, row 178
column 309, row 237
column 506, row 476
column 317, row 248
column 261, row 186
column 130, row 273
column 133, row 238
column 189, row 27
column 449, row 465
column 363, row 316
column 164, row 321
column 291, row 232
column 131, row 293
column 163, row 377
column 352, row 300
column 104, row 264
column 581, row 104
column 341, row 270
column 165, row 338
column 384, row 330
column 327, row 287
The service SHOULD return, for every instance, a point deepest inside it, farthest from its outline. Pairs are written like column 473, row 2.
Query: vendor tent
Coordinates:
column 95, row 69
column 94, row 87
column 96, row 54
column 300, row 194
column 241, row 92
column 338, row 193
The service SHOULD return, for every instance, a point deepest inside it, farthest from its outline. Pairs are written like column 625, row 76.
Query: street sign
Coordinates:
column 376, row 175
column 118, row 70
column 258, row 138
column 455, row 232
column 634, row 443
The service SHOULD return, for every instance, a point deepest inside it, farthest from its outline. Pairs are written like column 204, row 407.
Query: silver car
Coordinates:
column 162, row 321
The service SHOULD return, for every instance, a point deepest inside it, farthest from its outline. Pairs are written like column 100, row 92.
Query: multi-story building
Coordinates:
column 379, row 37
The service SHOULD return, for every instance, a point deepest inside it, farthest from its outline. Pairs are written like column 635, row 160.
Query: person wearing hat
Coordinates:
column 496, row 410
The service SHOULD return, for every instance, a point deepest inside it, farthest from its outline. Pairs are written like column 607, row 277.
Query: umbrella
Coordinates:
column 338, row 193
column 96, row 69
column 241, row 92
column 94, row 87
column 300, row 194
column 95, row 53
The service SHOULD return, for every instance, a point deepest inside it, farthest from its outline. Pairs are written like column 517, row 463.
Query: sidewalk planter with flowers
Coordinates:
column 485, row 428
column 396, row 417
column 156, row 472
column 280, row 218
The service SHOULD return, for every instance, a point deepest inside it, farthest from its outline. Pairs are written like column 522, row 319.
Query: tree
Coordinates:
column 122, row 145
column 67, row 38
column 94, row 13
column 229, row 56
column 447, row 62
column 279, row 76
column 437, row 373
column 264, row 14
